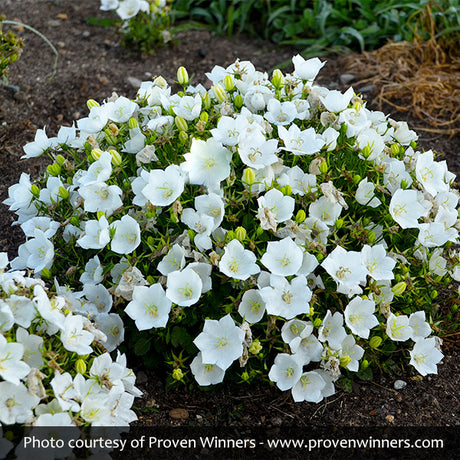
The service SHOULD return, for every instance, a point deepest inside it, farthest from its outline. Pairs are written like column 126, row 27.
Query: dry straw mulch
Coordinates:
column 422, row 76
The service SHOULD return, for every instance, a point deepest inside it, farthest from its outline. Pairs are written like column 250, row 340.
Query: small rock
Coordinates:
column 399, row 384
column 347, row 78
column 398, row 398
column 178, row 414
column 367, row 89
column 390, row 418
column 134, row 82
column 12, row 88
column 86, row 34
column 202, row 52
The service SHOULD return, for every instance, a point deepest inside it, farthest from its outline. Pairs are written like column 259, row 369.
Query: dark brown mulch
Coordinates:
column 92, row 64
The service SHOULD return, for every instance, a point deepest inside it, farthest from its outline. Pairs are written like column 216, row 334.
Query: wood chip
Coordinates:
column 179, row 414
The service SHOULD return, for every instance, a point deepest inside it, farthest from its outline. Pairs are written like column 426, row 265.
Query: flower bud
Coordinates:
column 54, row 169
column 311, row 312
column 230, row 235
column 357, row 105
column 80, row 366
column 249, row 176
column 183, row 137
column 96, row 153
column 229, row 83
column 434, row 294
column 35, row 190
column 255, row 347
column 219, row 93
column 160, row 82
column 238, row 101
column 356, row 179
column 177, row 374
column 366, row 151
column 277, row 78
column 394, row 149
column 364, row 364
column 182, row 76
column 109, row 137
column 63, row 192
column 132, row 123
column 317, row 323
column 323, row 167
column 206, row 98
column 100, row 214
column 204, row 116
column 60, row 160
column 117, row 160
column 287, row 190
column 181, row 123
column 300, row 216
column 375, row 341
column 413, row 144
column 92, row 103
column 345, row 361
column 150, row 280
column 339, row 224
column 399, row 288
column 240, row 233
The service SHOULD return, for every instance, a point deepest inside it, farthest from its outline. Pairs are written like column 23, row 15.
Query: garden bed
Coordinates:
column 92, row 64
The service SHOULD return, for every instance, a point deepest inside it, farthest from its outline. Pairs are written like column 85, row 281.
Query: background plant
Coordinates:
column 10, row 49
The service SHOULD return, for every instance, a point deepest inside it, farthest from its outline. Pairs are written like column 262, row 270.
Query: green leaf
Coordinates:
column 142, row 346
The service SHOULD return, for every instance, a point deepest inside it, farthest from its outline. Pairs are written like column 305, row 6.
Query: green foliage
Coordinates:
column 326, row 25
column 10, row 49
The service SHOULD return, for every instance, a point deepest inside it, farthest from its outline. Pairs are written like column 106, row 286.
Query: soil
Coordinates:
column 92, row 64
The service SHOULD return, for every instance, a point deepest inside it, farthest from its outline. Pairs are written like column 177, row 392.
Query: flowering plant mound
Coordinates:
column 145, row 23
column 263, row 226
column 10, row 50
column 54, row 369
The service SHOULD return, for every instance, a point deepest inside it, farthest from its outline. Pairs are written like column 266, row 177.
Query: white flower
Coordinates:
column 420, row 328
column 307, row 349
column 202, row 224
column 252, row 306
column 211, row 205
column 286, row 299
column 65, row 391
column 435, row 234
column 374, row 142
column 325, row 210
column 359, row 316
column 74, row 337
column 299, row 181
column 93, row 272
column 221, row 342
column 16, row 403
column 237, row 262
column 33, row 346
column 332, row 330
column 425, row 356
column 398, row 328
column 207, row 163
column 45, row 224
column 99, row 196
column 305, row 142
column 405, row 208
column 206, row 374
column 403, row 134
column 378, row 264
column 283, row 257
column 37, row 253
column 96, row 234
column 127, row 235
column 121, row 110
column 188, row 107
column 365, row 194
column 296, row 328
column 95, row 121
column 184, row 287
column 280, row 113
column 164, row 186
column 19, row 195
column 258, row 152
column 12, row 368
column 309, row 388
column 279, row 205
column 306, row 69
column 6, row 317
column 150, row 307
column 203, row 270
column 335, row 101
column 99, row 299
column 347, row 269
column 437, row 264
column 129, row 8
column 110, row 325
column 22, row 308
column 38, row 146
column 172, row 261
column 350, row 350
column 286, row 371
